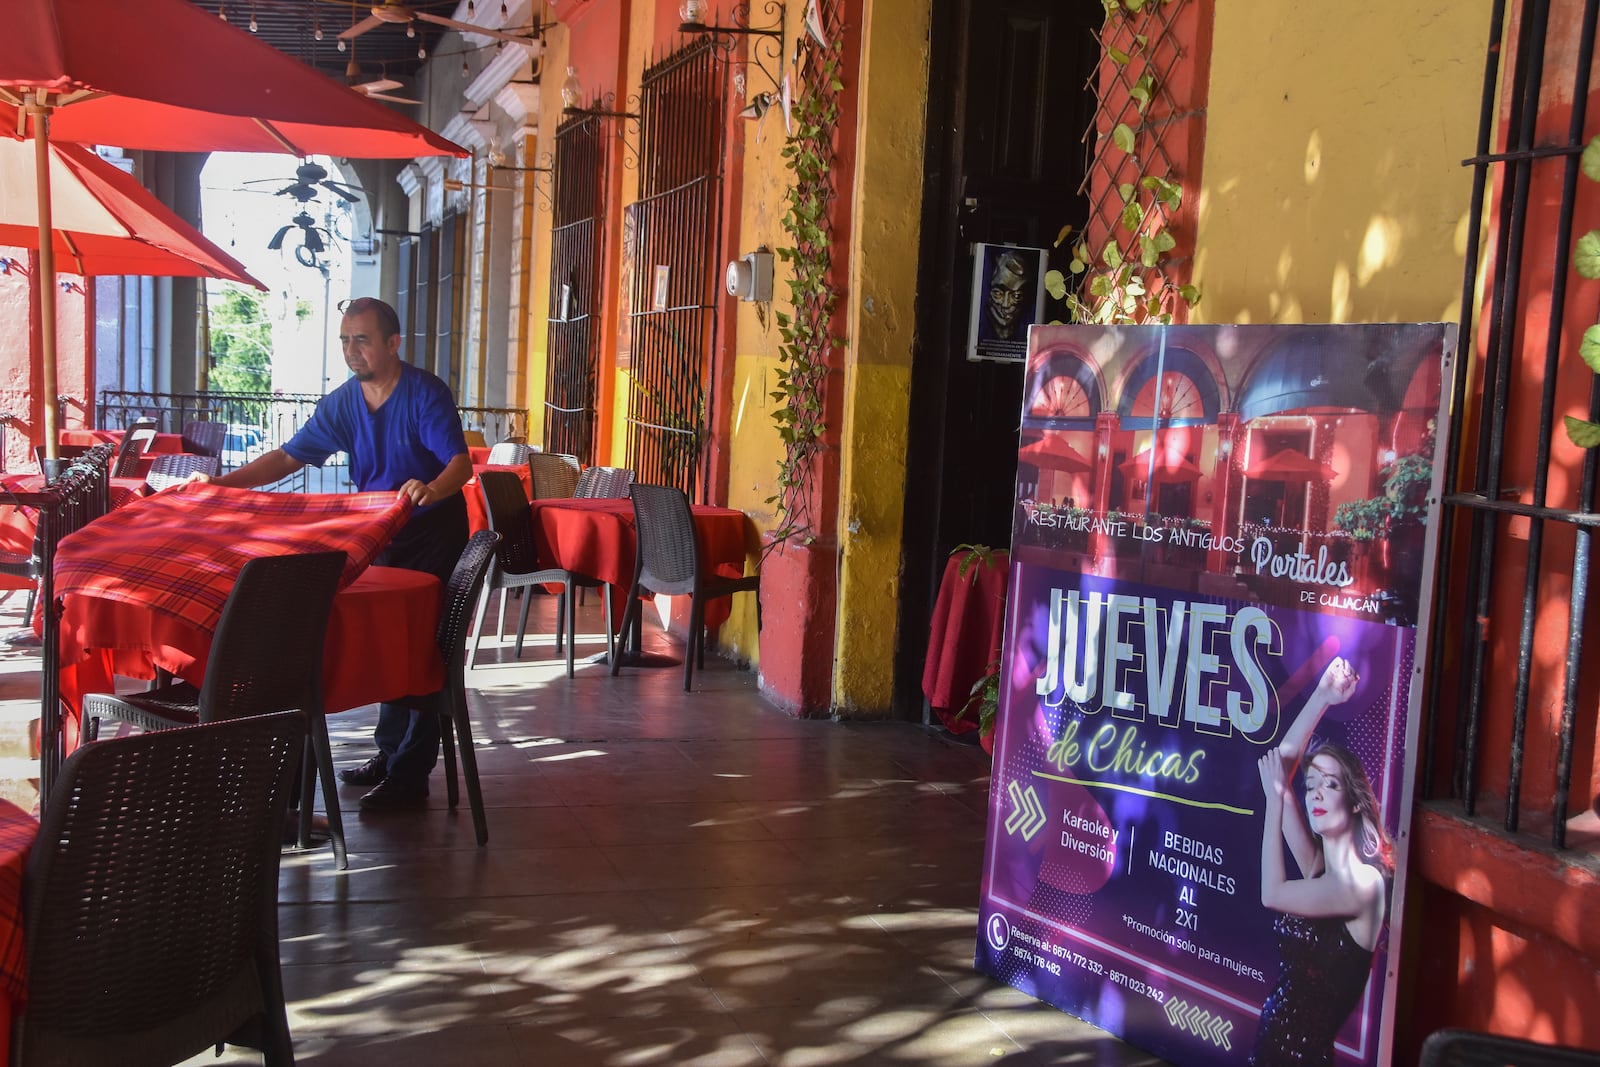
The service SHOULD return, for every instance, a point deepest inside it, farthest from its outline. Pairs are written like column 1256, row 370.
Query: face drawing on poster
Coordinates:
column 1007, row 292
column 1331, row 917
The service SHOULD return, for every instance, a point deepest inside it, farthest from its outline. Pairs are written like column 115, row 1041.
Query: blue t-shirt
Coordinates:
column 413, row 435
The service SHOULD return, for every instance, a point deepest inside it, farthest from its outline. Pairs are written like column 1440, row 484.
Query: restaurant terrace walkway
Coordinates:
column 686, row 880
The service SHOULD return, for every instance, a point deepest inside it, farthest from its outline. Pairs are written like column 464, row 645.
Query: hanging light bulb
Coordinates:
column 571, row 89
column 411, row 31
column 471, row 10
column 316, row 29
column 341, row 44
column 503, row 12
column 422, row 52
column 222, row 12
column 465, row 72
column 253, row 27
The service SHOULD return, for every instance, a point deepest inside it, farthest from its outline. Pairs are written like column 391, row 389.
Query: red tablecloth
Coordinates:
column 968, row 627
column 17, row 523
column 380, row 643
column 477, row 517
column 596, row 538
column 17, row 832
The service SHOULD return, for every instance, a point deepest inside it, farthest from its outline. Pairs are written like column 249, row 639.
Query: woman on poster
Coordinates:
column 1331, row 917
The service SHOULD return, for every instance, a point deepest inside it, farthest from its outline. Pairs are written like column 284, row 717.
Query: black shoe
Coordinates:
column 369, row 773
column 393, row 794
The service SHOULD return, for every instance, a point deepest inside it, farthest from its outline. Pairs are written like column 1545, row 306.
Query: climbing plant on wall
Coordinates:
column 1125, row 265
column 805, row 332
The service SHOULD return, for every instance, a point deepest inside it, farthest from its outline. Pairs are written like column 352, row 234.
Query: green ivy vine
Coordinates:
column 1586, row 261
column 1131, row 278
column 805, row 333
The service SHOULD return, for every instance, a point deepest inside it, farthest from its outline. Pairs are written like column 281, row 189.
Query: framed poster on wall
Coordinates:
column 1205, row 744
column 1007, row 297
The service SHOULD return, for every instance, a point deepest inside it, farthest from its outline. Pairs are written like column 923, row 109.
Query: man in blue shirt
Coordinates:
column 400, row 428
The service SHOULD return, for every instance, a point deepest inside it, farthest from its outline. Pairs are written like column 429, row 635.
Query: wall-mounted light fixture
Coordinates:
column 768, row 41
column 542, row 188
column 604, row 107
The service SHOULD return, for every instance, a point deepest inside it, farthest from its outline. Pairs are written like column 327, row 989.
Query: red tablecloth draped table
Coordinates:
column 17, row 832
column 968, row 626
column 477, row 517
column 597, row 539
column 17, row 524
column 164, row 443
column 143, row 588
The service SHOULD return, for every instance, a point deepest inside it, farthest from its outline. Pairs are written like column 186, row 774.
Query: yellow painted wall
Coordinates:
column 536, row 315
column 1333, row 189
column 882, row 301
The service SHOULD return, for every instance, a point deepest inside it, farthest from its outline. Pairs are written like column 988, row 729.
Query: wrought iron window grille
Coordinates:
column 768, row 41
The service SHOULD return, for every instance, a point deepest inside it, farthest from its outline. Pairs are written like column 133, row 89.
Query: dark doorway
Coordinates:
column 1007, row 107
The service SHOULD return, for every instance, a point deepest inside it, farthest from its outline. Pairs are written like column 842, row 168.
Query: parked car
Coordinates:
column 242, row 444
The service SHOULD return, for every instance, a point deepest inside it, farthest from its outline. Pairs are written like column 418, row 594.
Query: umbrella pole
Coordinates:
column 39, row 112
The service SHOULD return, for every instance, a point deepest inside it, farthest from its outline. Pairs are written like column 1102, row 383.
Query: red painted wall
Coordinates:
column 21, row 390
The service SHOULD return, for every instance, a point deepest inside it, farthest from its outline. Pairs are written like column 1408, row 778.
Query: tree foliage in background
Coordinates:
column 241, row 341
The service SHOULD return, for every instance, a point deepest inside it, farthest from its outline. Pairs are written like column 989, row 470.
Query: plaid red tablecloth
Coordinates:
column 180, row 552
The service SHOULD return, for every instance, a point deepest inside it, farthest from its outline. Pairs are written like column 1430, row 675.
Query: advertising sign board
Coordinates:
column 1208, row 703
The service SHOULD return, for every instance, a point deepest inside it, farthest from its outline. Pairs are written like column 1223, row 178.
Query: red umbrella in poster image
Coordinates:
column 1051, row 452
column 169, row 76
column 1167, row 465
column 1287, row 465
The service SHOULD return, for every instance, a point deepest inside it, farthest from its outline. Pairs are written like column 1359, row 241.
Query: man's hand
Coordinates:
column 420, row 493
column 200, row 476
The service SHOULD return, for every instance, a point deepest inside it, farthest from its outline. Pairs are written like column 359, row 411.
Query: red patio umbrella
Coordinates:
column 1169, row 467
column 105, row 222
column 1051, row 452
column 1287, row 465
column 167, row 75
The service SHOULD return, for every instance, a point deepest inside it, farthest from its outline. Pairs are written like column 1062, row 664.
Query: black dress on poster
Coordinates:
column 1007, row 297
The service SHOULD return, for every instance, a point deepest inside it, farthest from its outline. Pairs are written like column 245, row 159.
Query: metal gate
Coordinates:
column 579, row 179
column 673, row 310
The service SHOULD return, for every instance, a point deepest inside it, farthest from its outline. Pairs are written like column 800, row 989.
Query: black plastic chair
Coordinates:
column 516, row 567
column 510, row 453
column 455, row 720
column 136, row 441
column 204, row 438
column 668, row 562
column 174, row 468
column 152, row 898
column 1466, row 1048
column 555, row 474
column 597, row 483
column 266, row 656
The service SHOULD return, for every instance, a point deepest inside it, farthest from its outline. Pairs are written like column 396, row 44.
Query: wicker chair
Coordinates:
column 510, row 453
column 136, row 441
column 174, row 468
column 152, row 898
column 455, row 720
column 669, row 562
column 597, row 483
column 204, row 438
column 1464, row 1048
column 555, row 474
column 83, row 498
column 515, row 566
column 266, row 656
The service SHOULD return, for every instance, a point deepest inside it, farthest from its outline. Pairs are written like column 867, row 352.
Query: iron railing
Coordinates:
column 678, row 218
column 1479, row 613
column 260, row 422
column 575, row 254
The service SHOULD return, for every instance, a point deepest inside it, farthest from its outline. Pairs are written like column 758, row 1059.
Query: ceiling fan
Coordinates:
column 308, row 178
column 311, row 241
column 396, row 14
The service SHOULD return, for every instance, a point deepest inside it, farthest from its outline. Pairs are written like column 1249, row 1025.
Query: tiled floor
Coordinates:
column 671, row 878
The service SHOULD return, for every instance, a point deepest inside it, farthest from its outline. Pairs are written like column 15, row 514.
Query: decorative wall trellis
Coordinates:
column 673, row 308
column 1138, row 160
column 575, row 254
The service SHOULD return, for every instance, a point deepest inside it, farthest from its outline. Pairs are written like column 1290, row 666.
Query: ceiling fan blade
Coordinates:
column 289, row 190
column 332, row 187
column 392, row 99
column 368, row 23
column 313, row 241
column 483, row 31
column 277, row 238
column 377, row 85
